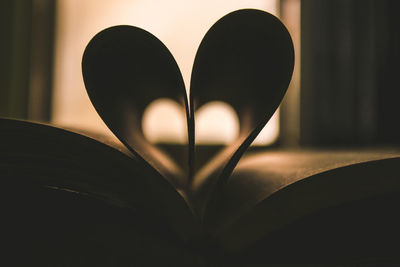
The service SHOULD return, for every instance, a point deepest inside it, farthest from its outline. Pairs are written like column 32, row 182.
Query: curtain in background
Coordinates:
column 26, row 52
column 349, row 85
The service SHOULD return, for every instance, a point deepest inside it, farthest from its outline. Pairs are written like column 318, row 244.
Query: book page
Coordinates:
column 265, row 184
column 126, row 68
column 258, row 175
column 245, row 60
column 47, row 156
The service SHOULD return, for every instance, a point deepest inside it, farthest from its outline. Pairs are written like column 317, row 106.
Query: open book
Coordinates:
column 75, row 200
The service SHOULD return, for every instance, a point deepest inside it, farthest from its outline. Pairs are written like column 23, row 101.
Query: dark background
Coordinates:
column 349, row 68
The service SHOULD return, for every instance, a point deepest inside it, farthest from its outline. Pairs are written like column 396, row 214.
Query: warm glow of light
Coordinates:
column 164, row 121
column 270, row 132
column 179, row 24
column 216, row 123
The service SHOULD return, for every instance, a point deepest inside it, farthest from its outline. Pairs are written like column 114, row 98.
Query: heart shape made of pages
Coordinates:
column 246, row 59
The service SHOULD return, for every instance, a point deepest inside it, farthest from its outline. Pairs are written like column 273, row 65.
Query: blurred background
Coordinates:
column 344, row 90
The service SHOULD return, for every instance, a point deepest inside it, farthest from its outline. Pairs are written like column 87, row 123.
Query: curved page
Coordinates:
column 52, row 157
column 246, row 60
column 272, row 189
column 125, row 68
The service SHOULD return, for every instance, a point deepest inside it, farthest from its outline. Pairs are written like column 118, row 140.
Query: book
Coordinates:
column 73, row 200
